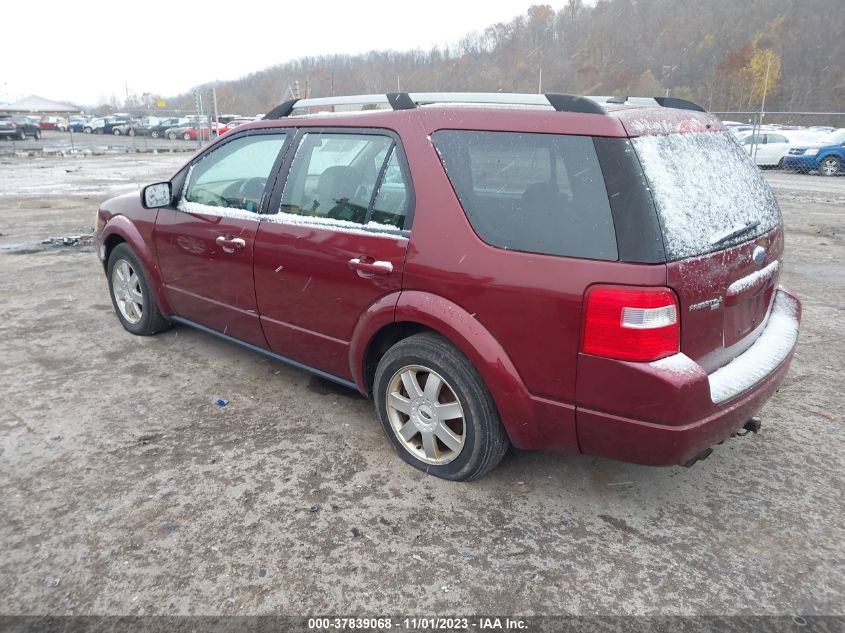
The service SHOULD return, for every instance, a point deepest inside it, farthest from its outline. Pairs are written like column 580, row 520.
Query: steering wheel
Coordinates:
column 247, row 184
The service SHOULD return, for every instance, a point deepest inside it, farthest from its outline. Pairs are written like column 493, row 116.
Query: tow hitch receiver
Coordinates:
column 752, row 426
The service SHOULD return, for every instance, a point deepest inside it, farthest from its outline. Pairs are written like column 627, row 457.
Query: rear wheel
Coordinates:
column 830, row 166
column 131, row 132
column 116, row 131
column 37, row 135
column 154, row 134
column 132, row 293
column 21, row 135
column 172, row 136
column 437, row 411
column 186, row 136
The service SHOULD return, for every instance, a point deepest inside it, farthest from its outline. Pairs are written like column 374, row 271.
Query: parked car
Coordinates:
column 562, row 274
column 768, row 149
column 15, row 126
column 189, row 132
column 826, row 155
column 104, row 125
column 53, row 123
column 77, row 124
column 231, row 125
column 154, row 128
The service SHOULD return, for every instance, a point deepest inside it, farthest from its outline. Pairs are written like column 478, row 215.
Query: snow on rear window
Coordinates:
column 704, row 186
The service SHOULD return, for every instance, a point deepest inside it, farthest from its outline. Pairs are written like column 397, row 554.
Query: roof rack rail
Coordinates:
column 410, row 100
column 664, row 102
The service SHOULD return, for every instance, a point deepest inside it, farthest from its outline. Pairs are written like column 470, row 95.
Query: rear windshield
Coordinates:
column 705, row 188
column 539, row 193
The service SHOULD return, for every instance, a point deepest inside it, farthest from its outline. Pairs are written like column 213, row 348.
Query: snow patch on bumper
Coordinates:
column 769, row 350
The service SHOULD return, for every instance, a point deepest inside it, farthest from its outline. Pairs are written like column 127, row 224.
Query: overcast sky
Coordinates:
column 86, row 51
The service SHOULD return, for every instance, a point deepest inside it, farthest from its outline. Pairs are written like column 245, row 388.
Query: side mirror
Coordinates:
column 157, row 195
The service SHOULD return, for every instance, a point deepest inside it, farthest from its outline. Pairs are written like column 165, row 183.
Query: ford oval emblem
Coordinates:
column 759, row 254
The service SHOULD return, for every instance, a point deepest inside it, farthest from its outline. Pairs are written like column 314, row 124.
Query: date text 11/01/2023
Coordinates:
column 418, row 624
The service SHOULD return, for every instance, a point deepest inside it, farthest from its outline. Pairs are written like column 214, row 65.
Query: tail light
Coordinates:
column 636, row 324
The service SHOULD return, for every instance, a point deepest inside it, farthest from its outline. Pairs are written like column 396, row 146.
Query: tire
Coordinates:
column 154, row 134
column 186, row 136
column 21, row 135
column 116, row 132
column 172, row 136
column 830, row 166
column 87, row 130
column 150, row 320
column 131, row 132
column 37, row 135
column 476, row 439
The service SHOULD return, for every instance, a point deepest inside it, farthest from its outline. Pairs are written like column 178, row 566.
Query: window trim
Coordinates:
column 184, row 174
column 275, row 198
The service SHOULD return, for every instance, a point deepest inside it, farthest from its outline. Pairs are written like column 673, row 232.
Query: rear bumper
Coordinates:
column 736, row 392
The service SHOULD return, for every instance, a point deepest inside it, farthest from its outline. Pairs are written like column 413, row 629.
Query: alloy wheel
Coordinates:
column 830, row 166
column 126, row 287
column 426, row 415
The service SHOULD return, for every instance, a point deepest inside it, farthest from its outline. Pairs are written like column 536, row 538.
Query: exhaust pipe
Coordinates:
column 699, row 457
column 752, row 426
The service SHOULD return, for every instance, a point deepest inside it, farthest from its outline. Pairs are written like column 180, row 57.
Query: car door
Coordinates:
column 332, row 244
column 773, row 150
column 205, row 243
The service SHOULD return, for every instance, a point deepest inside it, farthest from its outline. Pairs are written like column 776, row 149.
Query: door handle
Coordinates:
column 367, row 267
column 229, row 244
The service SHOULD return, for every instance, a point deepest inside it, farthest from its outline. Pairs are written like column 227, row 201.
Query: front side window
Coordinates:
column 538, row 193
column 348, row 177
column 234, row 174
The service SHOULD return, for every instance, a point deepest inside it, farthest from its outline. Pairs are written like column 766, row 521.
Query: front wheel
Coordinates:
column 436, row 410
column 37, row 135
column 154, row 134
column 186, row 136
column 172, row 136
column 830, row 166
column 21, row 135
column 116, row 132
column 132, row 293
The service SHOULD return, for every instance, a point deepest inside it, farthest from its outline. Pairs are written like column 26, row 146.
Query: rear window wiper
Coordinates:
column 735, row 231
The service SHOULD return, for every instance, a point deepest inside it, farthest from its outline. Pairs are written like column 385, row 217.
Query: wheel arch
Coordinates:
column 121, row 230
column 412, row 312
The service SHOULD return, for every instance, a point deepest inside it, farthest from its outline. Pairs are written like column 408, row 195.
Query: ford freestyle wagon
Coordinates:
column 586, row 274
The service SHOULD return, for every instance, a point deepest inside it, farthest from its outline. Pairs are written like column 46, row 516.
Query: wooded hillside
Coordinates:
column 715, row 52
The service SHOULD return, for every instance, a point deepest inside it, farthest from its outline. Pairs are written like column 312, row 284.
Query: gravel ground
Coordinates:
column 125, row 490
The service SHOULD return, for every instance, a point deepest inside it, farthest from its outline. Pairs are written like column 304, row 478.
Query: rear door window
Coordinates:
column 347, row 178
column 539, row 193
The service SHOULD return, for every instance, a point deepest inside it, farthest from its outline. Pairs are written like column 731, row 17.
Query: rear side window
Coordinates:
column 539, row 193
column 706, row 188
column 348, row 177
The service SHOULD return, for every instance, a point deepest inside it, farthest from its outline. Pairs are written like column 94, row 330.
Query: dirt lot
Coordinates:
column 125, row 490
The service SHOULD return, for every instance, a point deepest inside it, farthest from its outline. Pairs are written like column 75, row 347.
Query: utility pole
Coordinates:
column 216, row 116
column 762, row 109
column 198, row 100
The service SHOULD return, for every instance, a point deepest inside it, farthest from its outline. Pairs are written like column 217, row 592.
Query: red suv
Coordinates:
column 546, row 271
